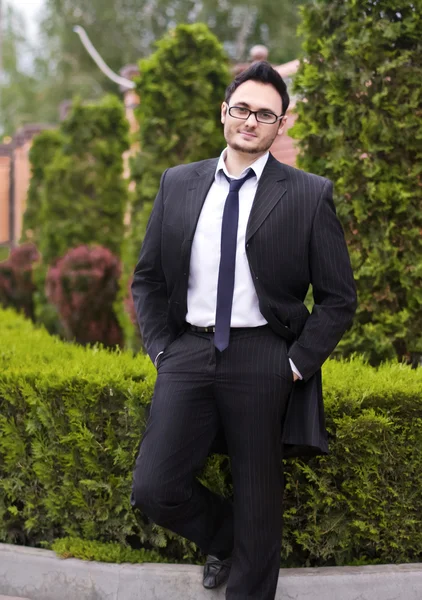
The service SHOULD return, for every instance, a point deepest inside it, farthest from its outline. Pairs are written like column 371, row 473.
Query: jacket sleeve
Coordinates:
column 333, row 289
column 149, row 289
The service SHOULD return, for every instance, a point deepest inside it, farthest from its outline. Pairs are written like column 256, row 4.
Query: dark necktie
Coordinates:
column 228, row 262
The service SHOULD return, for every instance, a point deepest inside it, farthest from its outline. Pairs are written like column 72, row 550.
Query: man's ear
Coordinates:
column 282, row 125
column 224, row 108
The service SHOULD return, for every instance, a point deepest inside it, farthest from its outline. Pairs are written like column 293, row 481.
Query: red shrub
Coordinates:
column 83, row 286
column 16, row 285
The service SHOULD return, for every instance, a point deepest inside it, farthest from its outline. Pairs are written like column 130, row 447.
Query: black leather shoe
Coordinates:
column 216, row 572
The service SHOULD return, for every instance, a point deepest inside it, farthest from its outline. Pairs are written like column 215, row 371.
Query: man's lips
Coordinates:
column 248, row 134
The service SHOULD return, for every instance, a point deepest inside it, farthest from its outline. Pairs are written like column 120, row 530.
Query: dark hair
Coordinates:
column 261, row 71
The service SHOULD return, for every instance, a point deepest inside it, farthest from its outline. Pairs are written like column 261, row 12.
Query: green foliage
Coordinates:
column 85, row 194
column 181, row 89
column 70, row 423
column 77, row 193
column 110, row 552
column 361, row 504
column 43, row 149
column 361, row 126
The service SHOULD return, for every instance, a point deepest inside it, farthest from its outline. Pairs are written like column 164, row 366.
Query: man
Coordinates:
column 231, row 248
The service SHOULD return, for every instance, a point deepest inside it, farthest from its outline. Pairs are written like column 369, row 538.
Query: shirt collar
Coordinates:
column 258, row 166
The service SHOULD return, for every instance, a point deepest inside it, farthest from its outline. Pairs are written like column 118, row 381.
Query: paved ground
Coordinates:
column 33, row 574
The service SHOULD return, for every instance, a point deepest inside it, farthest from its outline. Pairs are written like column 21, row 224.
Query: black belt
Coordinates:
column 211, row 328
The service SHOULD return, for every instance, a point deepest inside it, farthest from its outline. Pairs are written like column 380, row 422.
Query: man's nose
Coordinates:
column 252, row 121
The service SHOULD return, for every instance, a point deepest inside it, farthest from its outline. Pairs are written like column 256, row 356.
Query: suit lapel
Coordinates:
column 269, row 193
column 270, row 190
column 197, row 190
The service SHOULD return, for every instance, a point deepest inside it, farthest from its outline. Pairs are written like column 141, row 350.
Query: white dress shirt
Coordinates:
column 205, row 254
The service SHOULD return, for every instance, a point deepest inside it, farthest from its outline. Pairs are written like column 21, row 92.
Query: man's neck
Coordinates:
column 237, row 162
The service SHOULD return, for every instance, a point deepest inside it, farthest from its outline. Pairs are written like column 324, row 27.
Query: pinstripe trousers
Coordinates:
column 245, row 390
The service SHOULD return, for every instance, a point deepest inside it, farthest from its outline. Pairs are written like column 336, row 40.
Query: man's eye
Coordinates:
column 242, row 111
column 266, row 115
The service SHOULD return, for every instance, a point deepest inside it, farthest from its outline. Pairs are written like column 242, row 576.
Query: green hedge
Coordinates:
column 70, row 423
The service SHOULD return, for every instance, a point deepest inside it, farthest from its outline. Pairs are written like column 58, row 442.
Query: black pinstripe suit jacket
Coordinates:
column 293, row 239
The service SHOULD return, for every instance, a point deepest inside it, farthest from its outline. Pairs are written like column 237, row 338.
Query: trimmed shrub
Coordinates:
column 362, row 504
column 16, row 282
column 83, row 286
column 360, row 125
column 70, row 423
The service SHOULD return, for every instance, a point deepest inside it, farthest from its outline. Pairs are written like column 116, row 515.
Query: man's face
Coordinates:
column 250, row 136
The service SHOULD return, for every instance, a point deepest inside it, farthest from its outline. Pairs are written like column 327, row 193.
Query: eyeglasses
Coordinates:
column 262, row 116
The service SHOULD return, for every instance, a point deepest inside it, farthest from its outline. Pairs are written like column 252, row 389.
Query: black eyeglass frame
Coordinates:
column 255, row 112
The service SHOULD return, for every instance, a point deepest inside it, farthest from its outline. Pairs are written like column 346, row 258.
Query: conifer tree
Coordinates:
column 359, row 123
column 181, row 89
column 85, row 195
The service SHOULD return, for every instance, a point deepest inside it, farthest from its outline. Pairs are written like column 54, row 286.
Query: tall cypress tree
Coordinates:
column 181, row 89
column 85, row 195
column 359, row 123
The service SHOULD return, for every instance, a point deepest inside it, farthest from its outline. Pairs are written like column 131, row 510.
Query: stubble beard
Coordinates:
column 262, row 148
column 259, row 149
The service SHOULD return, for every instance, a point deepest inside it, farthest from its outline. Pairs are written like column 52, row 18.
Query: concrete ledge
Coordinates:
column 40, row 575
